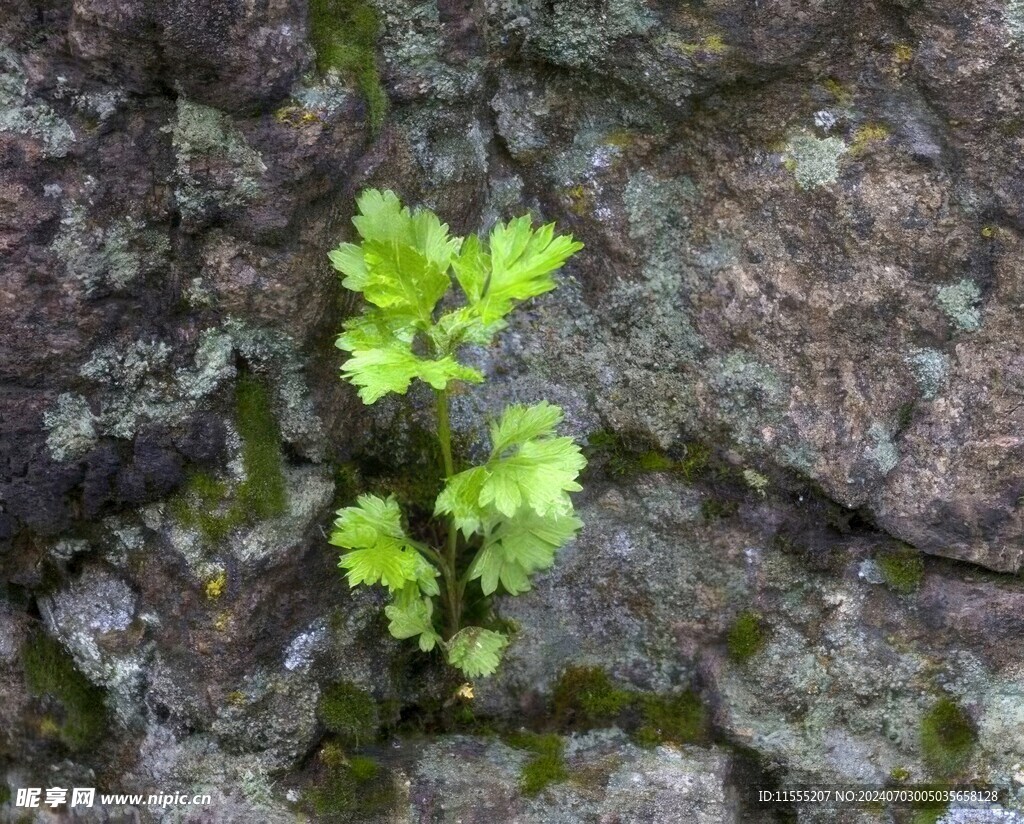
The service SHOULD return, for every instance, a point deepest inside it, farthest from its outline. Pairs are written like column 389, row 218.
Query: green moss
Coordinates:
column 655, row 462
column 929, row 815
column 363, row 768
column 745, row 637
column 901, row 568
column 208, row 504
column 51, row 674
column 547, row 767
column 672, row 719
column 204, row 504
column 711, row 509
column 344, row 35
column 262, row 493
column 843, row 95
column 620, row 458
column 348, row 483
column 354, row 790
column 947, row 738
column 5, row 793
column 696, row 458
column 350, row 713
column 867, row 135
column 586, row 697
column 899, row 774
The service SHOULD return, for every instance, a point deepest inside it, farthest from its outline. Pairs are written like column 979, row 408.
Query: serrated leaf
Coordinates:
column 519, row 424
column 472, row 266
column 520, row 546
column 540, row 475
column 392, row 368
column 381, row 217
column 402, row 263
column 462, row 325
column 460, row 498
column 410, row 616
column 402, row 280
column 476, row 651
column 348, row 259
column 362, row 525
column 522, row 262
column 378, row 549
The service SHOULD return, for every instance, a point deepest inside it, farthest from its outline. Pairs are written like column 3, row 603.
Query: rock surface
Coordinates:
column 801, row 293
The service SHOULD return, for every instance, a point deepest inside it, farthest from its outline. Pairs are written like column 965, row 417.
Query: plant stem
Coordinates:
column 449, row 569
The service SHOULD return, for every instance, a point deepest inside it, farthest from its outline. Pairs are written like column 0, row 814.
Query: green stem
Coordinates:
column 449, row 569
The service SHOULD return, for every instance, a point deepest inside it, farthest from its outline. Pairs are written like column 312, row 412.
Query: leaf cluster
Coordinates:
column 428, row 294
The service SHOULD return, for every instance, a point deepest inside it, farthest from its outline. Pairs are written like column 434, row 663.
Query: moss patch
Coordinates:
column 672, row 719
column 350, row 713
column 901, row 568
column 209, row 504
column 745, row 637
column 262, row 493
column 353, row 789
column 619, row 457
column 50, row 674
column 947, row 738
column 344, row 35
column 867, row 135
column 547, row 766
column 586, row 697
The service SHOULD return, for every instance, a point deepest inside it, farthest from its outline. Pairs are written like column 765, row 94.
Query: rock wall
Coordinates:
column 792, row 344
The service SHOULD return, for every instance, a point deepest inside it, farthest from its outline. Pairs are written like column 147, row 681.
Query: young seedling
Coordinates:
column 505, row 518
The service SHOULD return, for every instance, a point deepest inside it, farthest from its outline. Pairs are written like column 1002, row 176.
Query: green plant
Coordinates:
column 354, row 789
column 947, row 738
column 505, row 518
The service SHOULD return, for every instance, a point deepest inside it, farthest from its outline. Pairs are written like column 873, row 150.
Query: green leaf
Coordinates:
column 522, row 262
column 462, row 325
column 411, row 616
column 365, row 523
column 520, row 546
column 378, row 549
column 460, row 498
column 476, row 651
column 402, row 264
column 348, row 259
column 472, row 266
column 540, row 475
column 402, row 280
column 519, row 424
column 392, row 368
column 381, row 217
